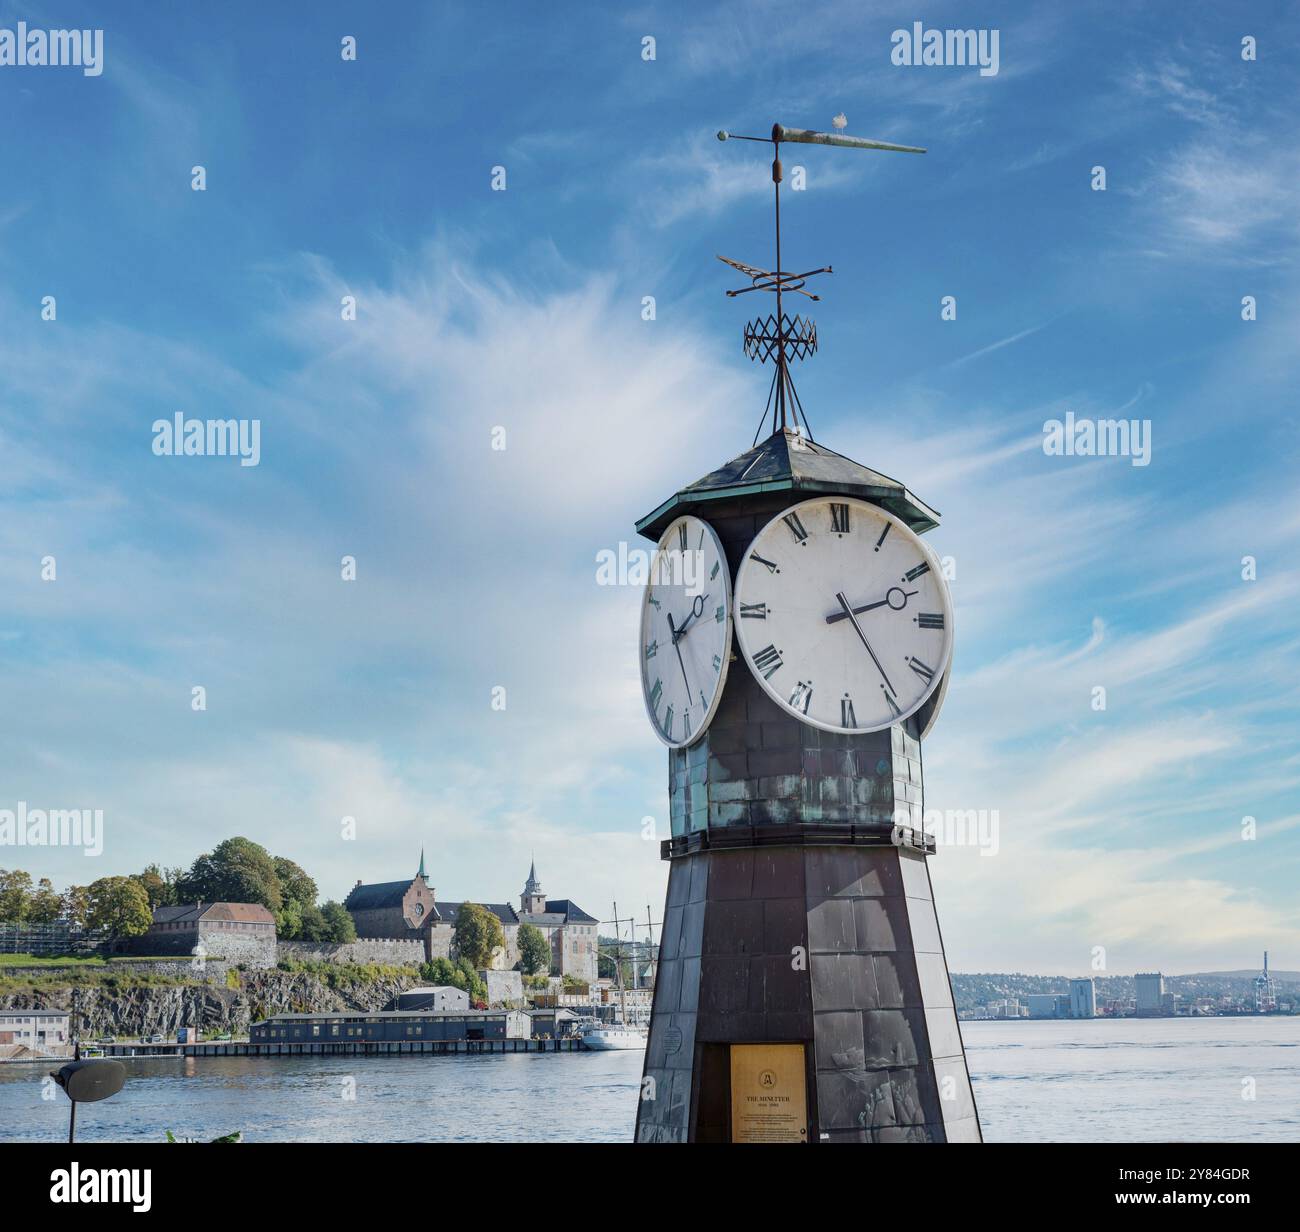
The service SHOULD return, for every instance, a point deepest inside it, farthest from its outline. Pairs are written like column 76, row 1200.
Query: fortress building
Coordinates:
column 411, row 910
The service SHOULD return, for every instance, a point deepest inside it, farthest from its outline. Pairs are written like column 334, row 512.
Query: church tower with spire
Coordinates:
column 532, row 901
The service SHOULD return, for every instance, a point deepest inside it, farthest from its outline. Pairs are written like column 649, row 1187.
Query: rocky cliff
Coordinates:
column 130, row 1009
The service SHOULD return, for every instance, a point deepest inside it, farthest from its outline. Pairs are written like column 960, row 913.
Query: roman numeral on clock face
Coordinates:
column 801, row 696
column 652, row 650
column 656, row 692
column 893, row 705
column 847, row 717
column 768, row 661
column 912, row 574
column 930, row 620
column 681, row 536
column 839, row 518
column 926, row 673
column 753, row 611
column 771, row 564
column 686, row 722
column 883, row 533
column 796, row 526
column 668, row 723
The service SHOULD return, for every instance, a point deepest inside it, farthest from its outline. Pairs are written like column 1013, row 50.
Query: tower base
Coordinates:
column 803, row 995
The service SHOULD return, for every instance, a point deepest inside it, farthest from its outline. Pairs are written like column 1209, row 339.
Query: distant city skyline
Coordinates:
column 371, row 705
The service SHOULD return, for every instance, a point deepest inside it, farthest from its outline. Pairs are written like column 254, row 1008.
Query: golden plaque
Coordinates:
column 769, row 1098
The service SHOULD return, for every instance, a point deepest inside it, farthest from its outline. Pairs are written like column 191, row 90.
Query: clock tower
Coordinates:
column 794, row 652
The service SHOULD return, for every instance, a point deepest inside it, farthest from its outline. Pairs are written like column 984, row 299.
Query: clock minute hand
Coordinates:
column 676, row 637
column 848, row 611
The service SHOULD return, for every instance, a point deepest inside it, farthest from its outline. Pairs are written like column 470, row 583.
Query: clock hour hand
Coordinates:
column 848, row 612
column 697, row 610
column 871, row 607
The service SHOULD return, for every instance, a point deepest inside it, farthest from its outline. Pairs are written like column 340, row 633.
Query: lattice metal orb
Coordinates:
column 763, row 337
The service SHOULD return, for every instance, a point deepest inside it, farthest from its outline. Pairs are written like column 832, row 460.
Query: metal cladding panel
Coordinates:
column 876, row 1015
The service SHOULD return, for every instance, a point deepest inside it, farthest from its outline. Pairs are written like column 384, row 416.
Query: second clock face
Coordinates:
column 843, row 615
column 685, row 631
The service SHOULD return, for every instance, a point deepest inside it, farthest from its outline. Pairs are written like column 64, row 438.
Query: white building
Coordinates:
column 39, row 1029
column 1083, row 998
column 441, row 998
column 1149, row 994
column 1047, row 1005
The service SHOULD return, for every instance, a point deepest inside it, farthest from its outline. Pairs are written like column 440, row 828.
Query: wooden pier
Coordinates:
column 338, row 1048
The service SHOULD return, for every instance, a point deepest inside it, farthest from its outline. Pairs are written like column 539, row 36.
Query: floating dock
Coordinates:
column 337, row 1048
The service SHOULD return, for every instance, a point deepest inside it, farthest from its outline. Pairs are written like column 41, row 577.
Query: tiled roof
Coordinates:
column 247, row 913
column 381, row 894
column 789, row 462
column 550, row 919
column 191, row 913
column 572, row 913
column 503, row 912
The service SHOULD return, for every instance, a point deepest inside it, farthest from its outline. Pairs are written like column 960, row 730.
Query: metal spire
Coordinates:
column 782, row 337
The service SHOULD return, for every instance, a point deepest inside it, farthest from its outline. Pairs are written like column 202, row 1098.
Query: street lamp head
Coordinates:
column 85, row 1082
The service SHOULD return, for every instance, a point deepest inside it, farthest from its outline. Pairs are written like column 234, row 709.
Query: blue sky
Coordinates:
column 522, row 309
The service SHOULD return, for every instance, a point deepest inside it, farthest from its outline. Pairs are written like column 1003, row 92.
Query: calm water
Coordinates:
column 1042, row 1081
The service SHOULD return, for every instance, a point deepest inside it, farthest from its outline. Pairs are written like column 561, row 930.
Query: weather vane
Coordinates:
column 781, row 337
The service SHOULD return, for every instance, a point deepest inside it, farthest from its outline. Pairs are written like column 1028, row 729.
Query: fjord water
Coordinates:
column 1102, row 1081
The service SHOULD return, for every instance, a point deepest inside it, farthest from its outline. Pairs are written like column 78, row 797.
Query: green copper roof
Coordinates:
column 787, row 461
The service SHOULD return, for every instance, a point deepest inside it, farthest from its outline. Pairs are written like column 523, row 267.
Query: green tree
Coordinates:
column 75, row 906
column 341, row 927
column 288, row 922
column 442, row 971
column 314, row 927
column 45, row 906
column 477, row 935
column 459, row 974
column 534, row 952
column 159, row 884
column 119, row 905
column 237, row 870
column 298, row 917
column 15, row 895
column 472, row 982
column 295, row 885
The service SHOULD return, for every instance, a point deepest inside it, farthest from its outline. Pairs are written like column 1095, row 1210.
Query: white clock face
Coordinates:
column 843, row 615
column 685, row 631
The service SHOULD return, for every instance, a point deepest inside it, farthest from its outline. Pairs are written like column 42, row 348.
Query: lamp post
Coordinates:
column 86, row 1082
